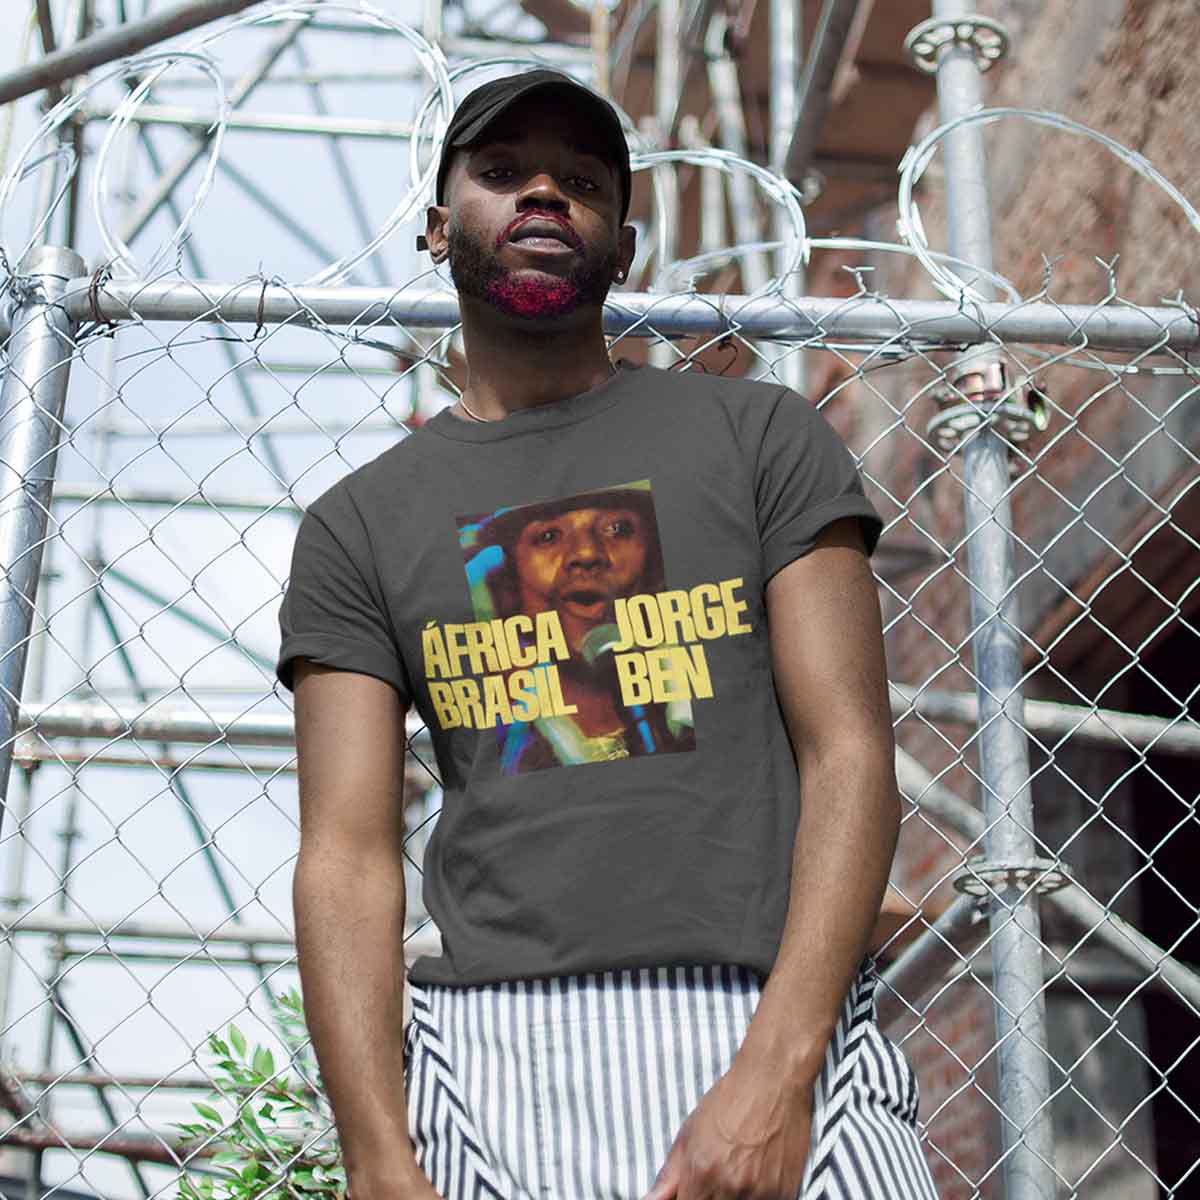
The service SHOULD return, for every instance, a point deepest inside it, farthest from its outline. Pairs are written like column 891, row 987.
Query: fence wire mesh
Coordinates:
column 154, row 821
column 151, row 825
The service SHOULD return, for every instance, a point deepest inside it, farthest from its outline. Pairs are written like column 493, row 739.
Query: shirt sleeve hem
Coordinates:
column 343, row 656
column 799, row 536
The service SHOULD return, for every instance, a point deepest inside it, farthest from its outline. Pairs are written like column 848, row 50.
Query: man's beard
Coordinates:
column 478, row 275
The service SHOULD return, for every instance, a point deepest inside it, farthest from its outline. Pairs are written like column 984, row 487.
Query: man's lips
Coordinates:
column 585, row 599
column 542, row 231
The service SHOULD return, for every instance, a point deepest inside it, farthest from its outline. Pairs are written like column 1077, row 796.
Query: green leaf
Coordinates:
column 239, row 1042
column 207, row 1111
column 251, row 1170
column 263, row 1061
column 248, row 1122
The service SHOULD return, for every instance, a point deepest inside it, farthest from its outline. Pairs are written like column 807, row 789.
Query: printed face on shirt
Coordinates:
column 578, row 562
column 576, row 654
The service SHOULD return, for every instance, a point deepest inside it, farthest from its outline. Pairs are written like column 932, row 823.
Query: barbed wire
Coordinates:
column 950, row 276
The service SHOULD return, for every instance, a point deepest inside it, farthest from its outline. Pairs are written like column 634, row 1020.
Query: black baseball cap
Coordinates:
column 485, row 104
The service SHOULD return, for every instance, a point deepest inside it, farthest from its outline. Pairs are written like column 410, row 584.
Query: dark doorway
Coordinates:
column 1167, row 824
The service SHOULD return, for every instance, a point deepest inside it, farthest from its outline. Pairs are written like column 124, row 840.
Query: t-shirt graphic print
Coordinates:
column 579, row 651
column 572, row 601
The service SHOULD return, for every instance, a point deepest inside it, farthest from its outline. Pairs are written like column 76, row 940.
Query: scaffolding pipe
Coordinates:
column 324, row 126
column 1083, row 725
column 271, row 428
column 174, row 174
column 925, row 963
column 816, row 85
column 77, row 493
column 668, row 86
column 1024, row 1084
column 126, row 39
column 141, row 1083
column 784, row 21
column 1073, row 904
column 30, row 754
column 599, row 46
column 32, row 402
column 1094, row 921
column 238, row 376
column 17, row 921
column 40, row 352
column 731, row 122
column 65, row 951
column 1115, row 730
column 86, row 719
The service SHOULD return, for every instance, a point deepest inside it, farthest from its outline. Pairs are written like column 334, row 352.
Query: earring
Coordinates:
column 620, row 276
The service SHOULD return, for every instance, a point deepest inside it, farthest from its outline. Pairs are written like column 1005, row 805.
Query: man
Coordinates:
column 654, row 978
column 581, row 558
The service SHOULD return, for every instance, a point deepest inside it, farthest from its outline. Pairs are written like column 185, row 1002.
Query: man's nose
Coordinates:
column 585, row 548
column 542, row 191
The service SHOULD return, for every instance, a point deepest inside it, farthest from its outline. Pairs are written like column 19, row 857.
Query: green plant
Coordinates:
column 274, row 1134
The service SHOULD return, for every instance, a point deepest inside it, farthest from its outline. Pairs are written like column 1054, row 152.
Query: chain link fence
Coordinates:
column 152, row 824
column 1037, row 465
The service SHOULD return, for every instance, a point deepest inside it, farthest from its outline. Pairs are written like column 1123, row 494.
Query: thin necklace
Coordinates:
column 467, row 409
column 476, row 417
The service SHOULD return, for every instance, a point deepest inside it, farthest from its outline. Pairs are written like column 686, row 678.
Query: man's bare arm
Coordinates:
column 827, row 653
column 750, row 1133
column 348, row 894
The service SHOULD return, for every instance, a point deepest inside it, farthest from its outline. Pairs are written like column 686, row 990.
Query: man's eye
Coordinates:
column 496, row 173
column 585, row 183
column 619, row 528
column 543, row 537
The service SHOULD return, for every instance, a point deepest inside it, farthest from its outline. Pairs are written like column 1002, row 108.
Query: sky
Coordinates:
column 168, row 408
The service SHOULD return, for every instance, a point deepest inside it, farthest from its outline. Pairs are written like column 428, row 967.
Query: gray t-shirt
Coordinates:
column 573, row 598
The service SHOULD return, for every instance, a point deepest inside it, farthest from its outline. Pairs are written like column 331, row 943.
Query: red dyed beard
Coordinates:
column 529, row 295
column 536, row 298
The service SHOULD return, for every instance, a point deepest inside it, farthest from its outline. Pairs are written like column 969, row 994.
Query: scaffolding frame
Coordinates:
column 40, row 326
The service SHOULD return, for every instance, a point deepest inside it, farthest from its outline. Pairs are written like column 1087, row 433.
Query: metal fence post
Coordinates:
column 1009, row 866
column 31, row 409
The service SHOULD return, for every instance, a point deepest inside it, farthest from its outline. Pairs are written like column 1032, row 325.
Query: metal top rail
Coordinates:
column 1112, row 325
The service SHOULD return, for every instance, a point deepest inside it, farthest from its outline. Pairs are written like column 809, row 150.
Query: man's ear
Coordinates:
column 626, row 248
column 436, row 242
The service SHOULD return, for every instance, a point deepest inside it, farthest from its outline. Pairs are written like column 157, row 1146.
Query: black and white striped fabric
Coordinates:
column 574, row 1088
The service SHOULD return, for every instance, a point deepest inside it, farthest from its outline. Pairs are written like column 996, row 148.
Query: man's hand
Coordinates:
column 747, row 1139
column 414, row 1189
column 403, row 1181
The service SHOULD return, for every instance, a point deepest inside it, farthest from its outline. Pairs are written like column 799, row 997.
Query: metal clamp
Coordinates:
column 984, row 388
column 987, row 39
column 986, row 877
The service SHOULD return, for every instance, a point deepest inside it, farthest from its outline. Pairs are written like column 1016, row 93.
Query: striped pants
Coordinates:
column 573, row 1088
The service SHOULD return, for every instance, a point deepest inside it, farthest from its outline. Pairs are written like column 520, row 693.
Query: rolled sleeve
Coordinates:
column 332, row 615
column 805, row 480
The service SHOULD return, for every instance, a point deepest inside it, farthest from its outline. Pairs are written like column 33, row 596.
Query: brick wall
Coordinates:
column 1117, row 447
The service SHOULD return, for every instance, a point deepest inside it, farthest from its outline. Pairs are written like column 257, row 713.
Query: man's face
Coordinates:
column 578, row 563
column 533, row 217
